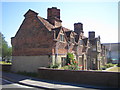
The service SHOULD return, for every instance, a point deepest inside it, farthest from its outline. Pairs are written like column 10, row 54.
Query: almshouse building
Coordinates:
column 40, row 42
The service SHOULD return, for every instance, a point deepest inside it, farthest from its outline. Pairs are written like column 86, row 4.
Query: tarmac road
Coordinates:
column 8, row 84
column 24, row 82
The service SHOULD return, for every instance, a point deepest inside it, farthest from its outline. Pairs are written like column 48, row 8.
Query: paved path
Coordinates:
column 43, row 84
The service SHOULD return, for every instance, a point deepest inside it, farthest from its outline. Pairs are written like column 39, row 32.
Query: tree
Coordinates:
column 5, row 50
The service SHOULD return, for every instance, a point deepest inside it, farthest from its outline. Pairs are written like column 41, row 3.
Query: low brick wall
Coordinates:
column 97, row 78
column 6, row 67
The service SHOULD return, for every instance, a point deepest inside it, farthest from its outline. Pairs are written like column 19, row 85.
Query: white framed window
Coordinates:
column 62, row 37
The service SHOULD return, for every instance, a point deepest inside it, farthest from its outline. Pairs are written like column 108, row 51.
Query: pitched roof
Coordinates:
column 57, row 30
column 30, row 12
column 46, row 23
column 68, row 33
column 51, row 27
column 77, row 38
column 57, row 19
column 85, row 41
column 65, row 29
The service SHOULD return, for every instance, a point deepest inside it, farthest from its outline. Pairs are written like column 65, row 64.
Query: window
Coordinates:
column 72, row 40
column 63, row 61
column 61, row 37
column 94, row 49
column 81, row 42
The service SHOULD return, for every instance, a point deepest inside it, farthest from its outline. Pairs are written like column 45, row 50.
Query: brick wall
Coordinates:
column 32, row 39
column 6, row 67
column 97, row 78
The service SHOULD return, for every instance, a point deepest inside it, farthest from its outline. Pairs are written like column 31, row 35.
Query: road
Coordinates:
column 8, row 84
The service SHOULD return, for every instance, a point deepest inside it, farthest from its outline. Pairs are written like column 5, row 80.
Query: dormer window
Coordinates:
column 62, row 37
column 81, row 42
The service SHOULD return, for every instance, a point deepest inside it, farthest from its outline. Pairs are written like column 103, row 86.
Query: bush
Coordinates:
column 103, row 67
column 71, row 63
column 53, row 66
column 65, row 67
column 70, row 57
column 118, row 64
column 107, row 66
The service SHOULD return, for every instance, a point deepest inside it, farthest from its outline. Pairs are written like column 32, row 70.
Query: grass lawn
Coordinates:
column 114, row 69
column 3, row 62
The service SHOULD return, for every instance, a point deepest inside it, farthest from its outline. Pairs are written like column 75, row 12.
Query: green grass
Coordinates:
column 114, row 69
column 3, row 62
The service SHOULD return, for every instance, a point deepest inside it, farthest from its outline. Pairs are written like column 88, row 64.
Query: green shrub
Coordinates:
column 118, row 64
column 107, row 66
column 71, row 63
column 70, row 56
column 65, row 67
column 53, row 66
column 103, row 67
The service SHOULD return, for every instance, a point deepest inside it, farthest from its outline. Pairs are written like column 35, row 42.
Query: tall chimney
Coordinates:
column 78, row 28
column 53, row 16
column 53, row 12
column 91, row 34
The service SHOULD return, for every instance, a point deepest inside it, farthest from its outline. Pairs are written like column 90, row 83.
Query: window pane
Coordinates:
column 61, row 37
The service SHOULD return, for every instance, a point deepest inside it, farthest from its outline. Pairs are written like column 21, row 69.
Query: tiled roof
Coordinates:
column 68, row 33
column 57, row 30
column 77, row 38
column 83, row 37
column 57, row 19
column 51, row 27
column 65, row 29
column 46, row 23
column 30, row 11
column 85, row 41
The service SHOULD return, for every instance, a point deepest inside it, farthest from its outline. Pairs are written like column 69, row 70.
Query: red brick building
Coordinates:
column 40, row 42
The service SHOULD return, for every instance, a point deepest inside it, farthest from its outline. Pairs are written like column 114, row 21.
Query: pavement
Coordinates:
column 44, row 84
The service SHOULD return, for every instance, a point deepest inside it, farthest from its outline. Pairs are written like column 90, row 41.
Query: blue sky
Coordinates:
column 101, row 17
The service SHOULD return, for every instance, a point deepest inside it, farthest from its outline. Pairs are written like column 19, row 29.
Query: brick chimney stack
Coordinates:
column 53, row 16
column 78, row 28
column 53, row 12
column 91, row 35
